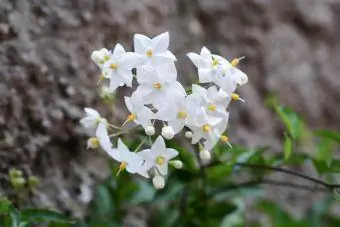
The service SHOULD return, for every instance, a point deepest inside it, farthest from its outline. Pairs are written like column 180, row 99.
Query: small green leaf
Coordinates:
column 218, row 172
column 288, row 146
column 5, row 205
column 43, row 215
column 102, row 204
column 144, row 194
column 331, row 135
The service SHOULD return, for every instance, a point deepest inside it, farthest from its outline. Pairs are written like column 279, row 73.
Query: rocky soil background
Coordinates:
column 47, row 78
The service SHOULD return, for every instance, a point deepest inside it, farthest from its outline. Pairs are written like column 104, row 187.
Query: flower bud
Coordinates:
column 93, row 143
column 188, row 134
column 95, row 56
column 177, row 164
column 168, row 132
column 158, row 181
column 205, row 155
column 150, row 130
column 33, row 181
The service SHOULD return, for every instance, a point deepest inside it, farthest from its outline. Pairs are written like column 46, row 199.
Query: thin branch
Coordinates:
column 290, row 172
column 253, row 183
column 330, row 187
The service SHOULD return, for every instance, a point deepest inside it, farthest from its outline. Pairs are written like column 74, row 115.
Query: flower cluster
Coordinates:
column 158, row 96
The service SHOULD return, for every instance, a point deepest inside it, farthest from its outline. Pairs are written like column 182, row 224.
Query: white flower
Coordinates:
column 139, row 113
column 215, row 101
column 159, row 155
column 204, row 127
column 150, row 130
column 91, row 120
column 118, row 68
column 158, row 84
column 205, row 155
column 154, row 51
column 218, row 130
column 168, row 132
column 129, row 161
column 100, row 56
column 103, row 137
column 158, row 181
column 208, row 65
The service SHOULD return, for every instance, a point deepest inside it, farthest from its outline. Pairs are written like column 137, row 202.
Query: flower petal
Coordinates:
column 160, row 43
column 141, row 43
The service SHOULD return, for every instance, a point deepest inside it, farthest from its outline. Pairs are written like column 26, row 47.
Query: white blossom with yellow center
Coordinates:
column 159, row 155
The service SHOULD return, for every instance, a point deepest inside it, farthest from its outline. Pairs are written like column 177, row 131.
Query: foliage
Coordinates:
column 212, row 194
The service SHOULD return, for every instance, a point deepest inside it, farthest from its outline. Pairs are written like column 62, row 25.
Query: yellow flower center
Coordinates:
column 157, row 86
column 149, row 53
column 235, row 62
column 224, row 139
column 131, row 117
column 93, row 142
column 114, row 66
column 182, row 114
column 101, row 77
column 212, row 107
column 215, row 62
column 206, row 128
column 122, row 166
column 235, row 96
column 160, row 160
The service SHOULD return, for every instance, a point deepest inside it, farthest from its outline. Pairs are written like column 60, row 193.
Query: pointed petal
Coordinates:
column 104, row 139
column 198, row 60
column 170, row 153
column 163, row 169
column 205, row 53
column 159, row 146
column 205, row 75
column 141, row 43
column 160, row 43
column 118, row 51
column 91, row 112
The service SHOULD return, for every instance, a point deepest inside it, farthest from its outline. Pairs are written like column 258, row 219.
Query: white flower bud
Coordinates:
column 205, row 155
column 188, row 134
column 158, row 181
column 177, row 164
column 150, row 130
column 95, row 56
column 168, row 132
column 93, row 143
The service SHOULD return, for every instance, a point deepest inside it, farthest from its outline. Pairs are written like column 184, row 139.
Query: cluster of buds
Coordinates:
column 158, row 96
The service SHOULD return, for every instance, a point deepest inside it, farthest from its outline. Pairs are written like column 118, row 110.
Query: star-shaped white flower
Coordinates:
column 154, row 51
column 91, row 120
column 118, row 68
column 129, row 161
column 208, row 64
column 204, row 127
column 159, row 84
column 159, row 155
column 139, row 113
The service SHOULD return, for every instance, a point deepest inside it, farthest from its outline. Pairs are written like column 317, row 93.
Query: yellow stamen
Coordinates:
column 157, row 86
column 113, row 66
column 131, row 117
column 206, row 128
column 160, row 160
column 212, row 107
column 182, row 114
column 235, row 62
column 122, row 166
column 149, row 53
column 101, row 77
column 93, row 143
column 215, row 62
column 235, row 96
column 224, row 139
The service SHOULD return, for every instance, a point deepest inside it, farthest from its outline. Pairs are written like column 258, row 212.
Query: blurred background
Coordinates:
column 292, row 51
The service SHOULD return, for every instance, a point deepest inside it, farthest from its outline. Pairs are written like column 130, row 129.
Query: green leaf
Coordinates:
column 279, row 217
column 287, row 146
column 5, row 205
column 218, row 172
column 165, row 218
column 102, row 205
column 43, row 215
column 289, row 118
column 324, row 167
column 331, row 135
column 144, row 194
